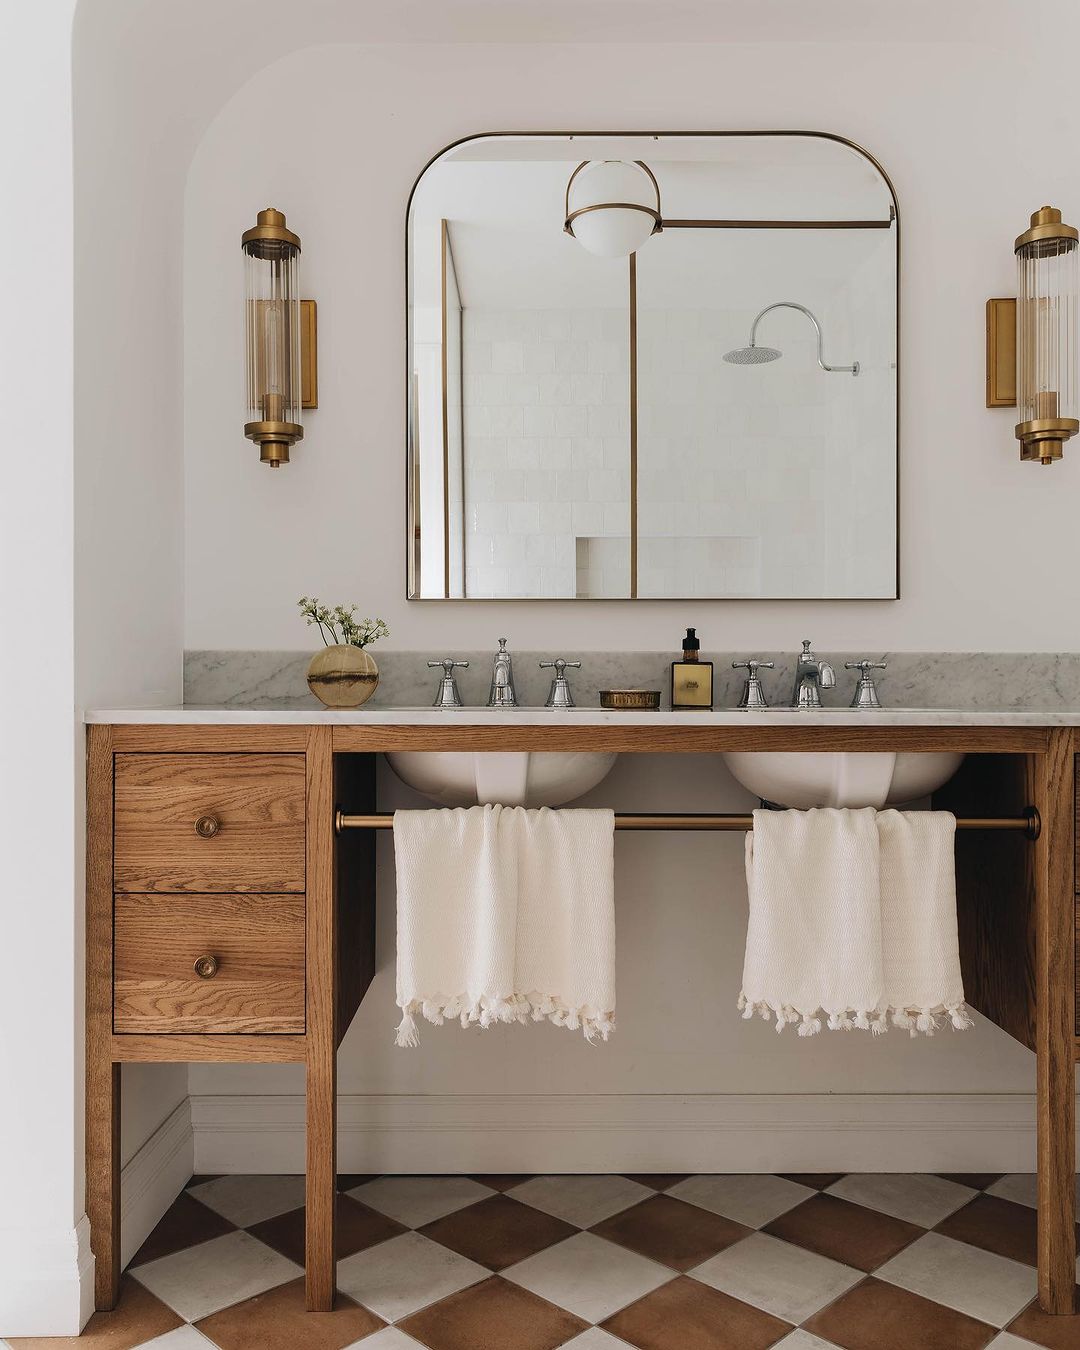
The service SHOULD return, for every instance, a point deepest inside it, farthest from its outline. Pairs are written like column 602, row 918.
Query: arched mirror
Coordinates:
column 652, row 367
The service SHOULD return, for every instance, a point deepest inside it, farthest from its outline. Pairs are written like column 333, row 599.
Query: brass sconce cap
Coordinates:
column 269, row 238
column 274, row 440
column 1046, row 226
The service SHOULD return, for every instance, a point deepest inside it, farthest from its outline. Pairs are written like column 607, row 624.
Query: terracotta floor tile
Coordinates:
column 977, row 1180
column 857, row 1236
column 498, row 1232
column 278, row 1320
column 137, row 1317
column 494, row 1315
column 502, row 1181
column 357, row 1227
column 686, row 1315
column 996, row 1225
column 659, row 1181
column 816, row 1180
column 1057, row 1333
column 186, row 1222
column 879, row 1316
column 671, row 1231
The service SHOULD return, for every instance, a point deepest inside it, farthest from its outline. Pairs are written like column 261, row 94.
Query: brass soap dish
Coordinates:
column 627, row 700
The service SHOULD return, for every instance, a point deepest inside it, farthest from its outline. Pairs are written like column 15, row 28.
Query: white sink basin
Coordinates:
column 876, row 779
column 526, row 778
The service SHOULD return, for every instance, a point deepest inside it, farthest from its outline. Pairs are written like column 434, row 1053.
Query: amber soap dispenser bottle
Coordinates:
column 691, row 678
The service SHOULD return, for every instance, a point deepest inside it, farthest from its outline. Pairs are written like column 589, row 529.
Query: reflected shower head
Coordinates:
column 752, row 356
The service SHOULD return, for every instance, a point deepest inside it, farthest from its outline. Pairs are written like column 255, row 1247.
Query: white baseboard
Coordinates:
column 154, row 1177
column 627, row 1133
column 47, row 1287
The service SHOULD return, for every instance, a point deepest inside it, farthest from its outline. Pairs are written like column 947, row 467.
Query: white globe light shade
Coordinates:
column 612, row 231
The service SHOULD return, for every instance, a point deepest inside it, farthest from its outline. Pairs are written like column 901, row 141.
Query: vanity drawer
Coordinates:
column 250, row 949
column 209, row 822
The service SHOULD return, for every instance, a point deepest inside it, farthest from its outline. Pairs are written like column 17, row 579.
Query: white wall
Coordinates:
column 935, row 114
column 43, row 1247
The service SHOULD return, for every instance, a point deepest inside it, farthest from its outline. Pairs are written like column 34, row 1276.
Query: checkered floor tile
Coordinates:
column 803, row 1262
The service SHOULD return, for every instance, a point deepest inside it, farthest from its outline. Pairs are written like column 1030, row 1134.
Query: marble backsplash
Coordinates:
column 275, row 680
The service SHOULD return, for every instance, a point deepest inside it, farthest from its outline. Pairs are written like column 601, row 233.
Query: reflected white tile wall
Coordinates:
column 546, row 448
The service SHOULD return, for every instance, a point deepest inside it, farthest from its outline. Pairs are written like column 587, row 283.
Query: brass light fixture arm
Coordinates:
column 853, row 369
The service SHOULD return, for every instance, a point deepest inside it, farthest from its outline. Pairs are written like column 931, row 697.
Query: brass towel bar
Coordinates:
column 1029, row 824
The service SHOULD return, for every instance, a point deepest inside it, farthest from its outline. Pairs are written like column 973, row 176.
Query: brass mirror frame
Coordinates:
column 412, row 545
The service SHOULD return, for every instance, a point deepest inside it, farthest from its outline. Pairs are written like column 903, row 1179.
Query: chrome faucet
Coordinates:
column 559, row 695
column 447, row 696
column 811, row 676
column 866, row 694
column 502, row 693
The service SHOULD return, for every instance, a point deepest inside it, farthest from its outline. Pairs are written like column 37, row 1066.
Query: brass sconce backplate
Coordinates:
column 309, row 354
column 1001, row 353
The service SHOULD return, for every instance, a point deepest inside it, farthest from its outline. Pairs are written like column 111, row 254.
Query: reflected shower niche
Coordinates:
column 652, row 367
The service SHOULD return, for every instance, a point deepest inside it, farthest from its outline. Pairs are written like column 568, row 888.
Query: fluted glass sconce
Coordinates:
column 612, row 206
column 1031, row 342
column 1047, row 279
column 273, row 324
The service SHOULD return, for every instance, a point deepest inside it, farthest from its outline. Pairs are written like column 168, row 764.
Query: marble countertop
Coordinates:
column 464, row 717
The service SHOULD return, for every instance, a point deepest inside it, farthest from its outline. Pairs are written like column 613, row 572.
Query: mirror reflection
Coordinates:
column 652, row 367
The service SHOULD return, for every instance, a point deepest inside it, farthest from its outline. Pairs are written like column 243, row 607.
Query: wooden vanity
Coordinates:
column 227, row 919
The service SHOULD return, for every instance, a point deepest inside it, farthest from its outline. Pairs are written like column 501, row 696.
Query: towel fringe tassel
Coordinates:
column 407, row 1037
column 487, row 1011
column 916, row 1021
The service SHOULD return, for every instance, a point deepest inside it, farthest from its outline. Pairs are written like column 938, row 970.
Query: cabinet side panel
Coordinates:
column 995, row 891
column 354, row 877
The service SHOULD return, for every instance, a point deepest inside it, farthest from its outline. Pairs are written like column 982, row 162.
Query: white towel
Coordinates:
column 505, row 915
column 852, row 919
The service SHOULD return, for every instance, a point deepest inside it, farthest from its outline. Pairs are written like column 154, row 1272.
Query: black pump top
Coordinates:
column 690, row 642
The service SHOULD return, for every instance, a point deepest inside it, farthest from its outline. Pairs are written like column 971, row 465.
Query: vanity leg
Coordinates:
column 103, row 1179
column 102, row 1075
column 321, row 1187
column 1055, row 1034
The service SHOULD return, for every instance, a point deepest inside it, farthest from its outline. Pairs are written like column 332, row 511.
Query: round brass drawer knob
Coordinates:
column 206, row 967
column 207, row 826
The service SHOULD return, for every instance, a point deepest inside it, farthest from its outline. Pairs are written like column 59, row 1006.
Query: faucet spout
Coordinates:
column 811, row 676
column 502, row 694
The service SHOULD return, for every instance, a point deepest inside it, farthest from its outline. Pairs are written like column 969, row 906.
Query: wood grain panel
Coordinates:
column 102, row 1075
column 257, row 800
column 202, row 737
column 196, row 1049
column 1055, row 973
column 321, row 1078
column 630, row 737
column 995, row 891
column 257, row 940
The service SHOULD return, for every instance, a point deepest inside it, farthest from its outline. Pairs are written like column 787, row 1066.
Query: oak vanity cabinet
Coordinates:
column 228, row 920
column 225, row 922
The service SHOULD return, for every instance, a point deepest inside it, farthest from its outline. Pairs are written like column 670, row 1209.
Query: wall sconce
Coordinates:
column 1031, row 342
column 612, row 206
column 281, row 338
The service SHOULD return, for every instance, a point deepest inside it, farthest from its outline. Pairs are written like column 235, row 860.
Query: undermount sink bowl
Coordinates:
column 526, row 778
column 874, row 778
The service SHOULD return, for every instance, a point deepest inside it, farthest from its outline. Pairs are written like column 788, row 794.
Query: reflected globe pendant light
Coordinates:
column 612, row 206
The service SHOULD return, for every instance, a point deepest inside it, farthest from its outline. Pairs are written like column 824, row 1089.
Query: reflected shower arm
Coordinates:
column 853, row 369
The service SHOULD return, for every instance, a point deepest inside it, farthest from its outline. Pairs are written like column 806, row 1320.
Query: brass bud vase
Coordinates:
column 342, row 676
